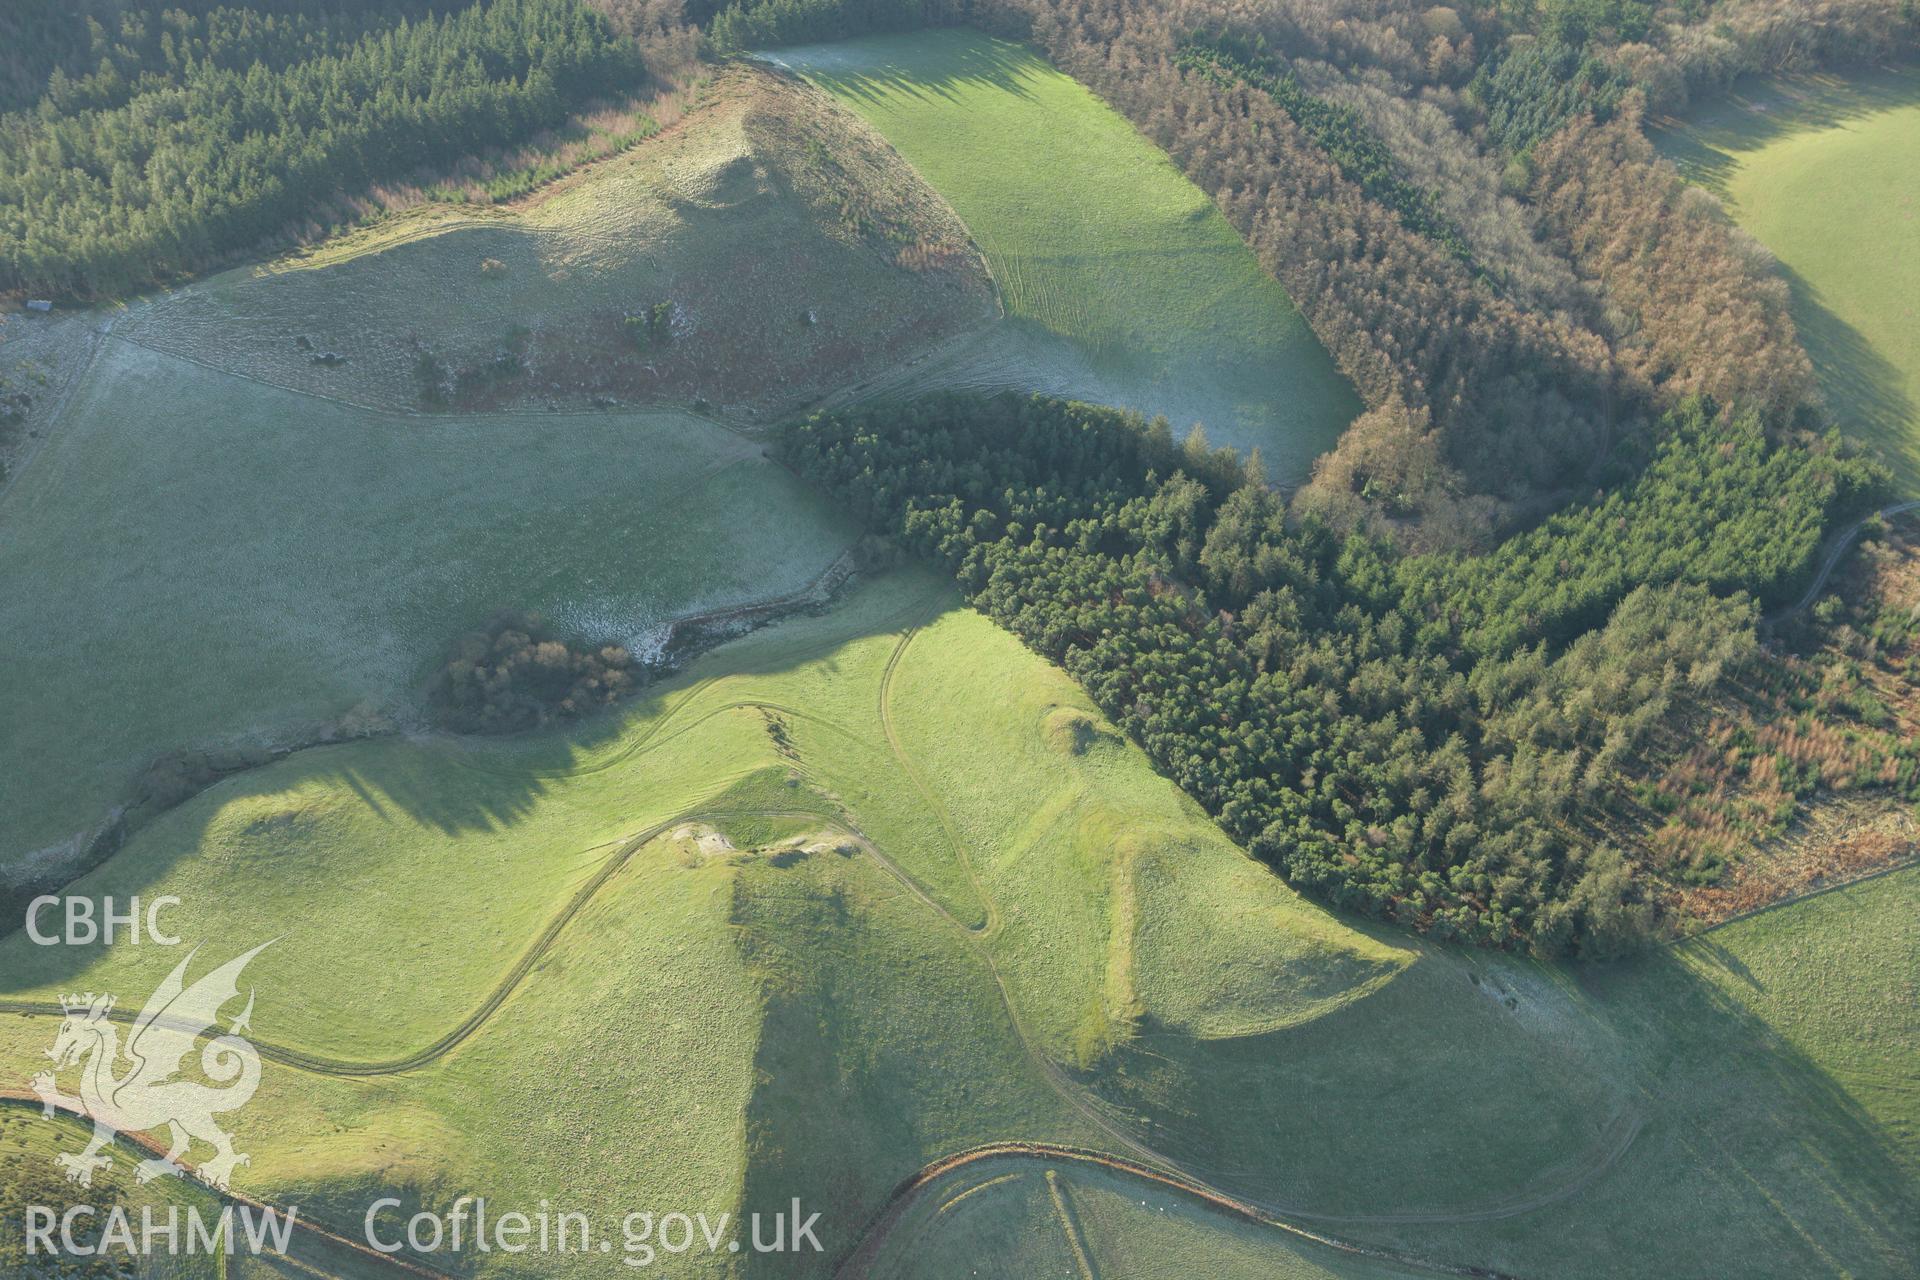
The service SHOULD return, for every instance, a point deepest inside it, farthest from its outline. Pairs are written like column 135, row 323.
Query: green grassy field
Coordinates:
column 1820, row 170
column 707, row 955
column 1124, row 284
column 958, row 910
column 196, row 558
column 860, row 890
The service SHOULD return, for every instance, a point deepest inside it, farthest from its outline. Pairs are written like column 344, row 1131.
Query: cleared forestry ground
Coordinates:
column 1121, row 281
column 1821, row 170
column 873, row 887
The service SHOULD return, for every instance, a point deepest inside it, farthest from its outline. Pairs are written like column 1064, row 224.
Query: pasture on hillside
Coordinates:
column 1821, row 170
column 873, row 886
column 766, row 251
column 1122, row 283
column 197, row 559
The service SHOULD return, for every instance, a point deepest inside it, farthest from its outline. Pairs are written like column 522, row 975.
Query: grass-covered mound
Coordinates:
column 1124, row 284
column 474, row 913
column 196, row 559
column 841, row 900
column 1820, row 170
column 766, row 250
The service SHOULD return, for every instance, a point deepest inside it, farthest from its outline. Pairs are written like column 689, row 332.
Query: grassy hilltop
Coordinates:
column 864, row 890
column 791, row 253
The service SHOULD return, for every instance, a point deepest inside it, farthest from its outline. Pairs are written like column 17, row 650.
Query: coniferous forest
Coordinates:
column 175, row 134
column 691, row 592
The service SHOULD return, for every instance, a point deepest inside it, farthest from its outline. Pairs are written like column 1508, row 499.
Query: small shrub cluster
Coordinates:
column 434, row 382
column 515, row 673
column 13, row 419
column 488, row 375
column 471, row 384
column 652, row 327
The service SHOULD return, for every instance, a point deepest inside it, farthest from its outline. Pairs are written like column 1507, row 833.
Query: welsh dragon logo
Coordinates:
column 150, row 1093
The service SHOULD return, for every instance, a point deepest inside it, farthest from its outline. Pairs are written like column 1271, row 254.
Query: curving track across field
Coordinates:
column 1141, row 1161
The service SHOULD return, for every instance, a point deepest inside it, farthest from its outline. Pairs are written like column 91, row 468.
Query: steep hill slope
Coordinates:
column 768, row 249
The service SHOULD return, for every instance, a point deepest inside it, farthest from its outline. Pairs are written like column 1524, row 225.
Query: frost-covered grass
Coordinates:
column 194, row 558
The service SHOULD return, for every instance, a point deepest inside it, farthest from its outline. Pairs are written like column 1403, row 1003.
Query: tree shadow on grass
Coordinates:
column 920, row 64
column 1457, row 1088
column 1707, row 142
column 1865, row 392
column 1782, row 1170
column 1529, row 1125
